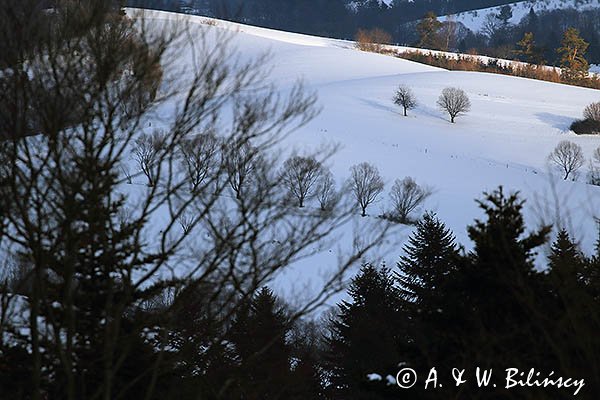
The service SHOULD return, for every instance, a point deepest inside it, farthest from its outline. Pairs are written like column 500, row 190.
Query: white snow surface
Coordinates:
column 505, row 140
column 475, row 19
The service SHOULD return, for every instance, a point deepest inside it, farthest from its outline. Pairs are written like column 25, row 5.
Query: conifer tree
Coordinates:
column 500, row 282
column 431, row 305
column 532, row 21
column 259, row 336
column 428, row 29
column 564, row 256
column 573, row 63
column 505, row 15
column 566, row 273
column 591, row 270
column 431, row 254
column 363, row 338
column 307, row 361
column 574, row 314
column 529, row 51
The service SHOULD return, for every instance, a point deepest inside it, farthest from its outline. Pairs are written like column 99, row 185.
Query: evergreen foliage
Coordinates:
column 363, row 337
column 428, row 29
column 572, row 51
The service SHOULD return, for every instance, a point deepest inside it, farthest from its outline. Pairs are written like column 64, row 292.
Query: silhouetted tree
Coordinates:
column 363, row 338
column 366, row 184
column 454, row 101
column 259, row 336
column 405, row 98
column 568, row 157
column 406, row 196
column 502, row 263
column 300, row 176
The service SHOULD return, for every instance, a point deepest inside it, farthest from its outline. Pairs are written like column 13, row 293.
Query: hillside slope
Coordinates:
column 475, row 19
column 505, row 140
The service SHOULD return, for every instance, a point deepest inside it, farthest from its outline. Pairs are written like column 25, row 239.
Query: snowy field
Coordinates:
column 475, row 19
column 505, row 140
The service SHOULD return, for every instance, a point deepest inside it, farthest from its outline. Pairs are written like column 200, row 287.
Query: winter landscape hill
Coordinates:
column 475, row 19
column 505, row 140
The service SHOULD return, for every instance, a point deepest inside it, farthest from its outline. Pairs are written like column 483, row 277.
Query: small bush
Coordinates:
column 372, row 40
column 586, row 127
column 592, row 112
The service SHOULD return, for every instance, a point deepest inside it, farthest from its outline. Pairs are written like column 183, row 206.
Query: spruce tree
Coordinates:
column 565, row 257
column 431, row 308
column 574, row 315
column 566, row 266
column 259, row 336
column 428, row 30
column 307, row 361
column 501, row 284
column 532, row 21
column 591, row 270
column 363, row 339
column 430, row 255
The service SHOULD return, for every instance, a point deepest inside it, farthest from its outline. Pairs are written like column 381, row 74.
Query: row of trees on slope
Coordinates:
column 574, row 67
column 453, row 101
column 206, row 160
column 302, row 178
column 571, row 53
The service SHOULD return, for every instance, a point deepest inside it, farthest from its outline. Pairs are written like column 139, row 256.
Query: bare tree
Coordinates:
column 594, row 171
column 325, row 191
column 240, row 162
column 596, row 155
column 448, row 33
column 300, row 175
column 366, row 184
column 405, row 98
column 147, row 150
column 406, row 196
column 592, row 112
column 568, row 157
column 454, row 101
column 199, row 157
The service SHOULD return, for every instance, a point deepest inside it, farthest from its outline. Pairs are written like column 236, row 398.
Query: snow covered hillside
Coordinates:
column 475, row 19
column 356, row 4
column 505, row 140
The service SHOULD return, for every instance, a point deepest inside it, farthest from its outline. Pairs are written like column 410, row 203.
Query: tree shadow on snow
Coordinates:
column 561, row 122
column 421, row 109
column 380, row 106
